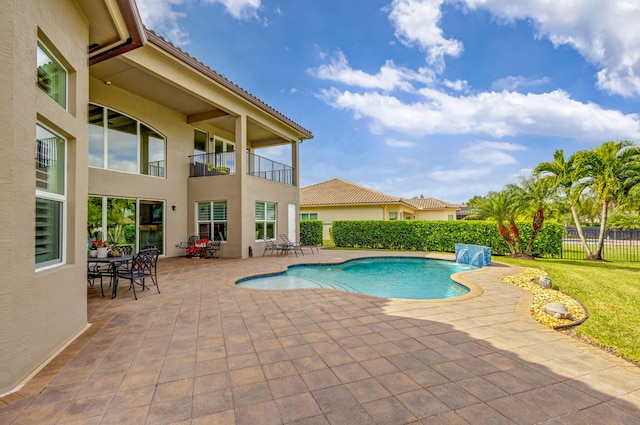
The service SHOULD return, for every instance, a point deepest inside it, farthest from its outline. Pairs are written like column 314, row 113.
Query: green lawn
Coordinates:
column 609, row 290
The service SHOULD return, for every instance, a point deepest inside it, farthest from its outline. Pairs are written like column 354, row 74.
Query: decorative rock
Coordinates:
column 545, row 282
column 557, row 310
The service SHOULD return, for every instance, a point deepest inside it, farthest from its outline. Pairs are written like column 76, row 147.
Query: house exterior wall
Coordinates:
column 40, row 311
column 330, row 214
column 436, row 215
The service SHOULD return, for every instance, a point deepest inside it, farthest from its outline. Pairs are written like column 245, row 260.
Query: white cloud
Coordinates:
column 459, row 175
column 399, row 143
column 240, row 9
column 494, row 153
column 161, row 16
column 416, row 22
column 605, row 33
column 512, row 83
column 496, row 114
column 390, row 76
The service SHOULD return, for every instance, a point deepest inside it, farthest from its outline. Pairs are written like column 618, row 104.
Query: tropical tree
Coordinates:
column 566, row 177
column 531, row 198
column 612, row 170
column 502, row 208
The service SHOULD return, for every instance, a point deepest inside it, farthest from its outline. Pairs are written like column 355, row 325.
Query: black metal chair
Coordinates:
column 210, row 250
column 270, row 245
column 92, row 274
column 287, row 245
column 142, row 267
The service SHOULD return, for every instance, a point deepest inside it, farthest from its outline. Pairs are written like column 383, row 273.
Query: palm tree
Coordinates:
column 611, row 171
column 566, row 178
column 532, row 196
column 501, row 208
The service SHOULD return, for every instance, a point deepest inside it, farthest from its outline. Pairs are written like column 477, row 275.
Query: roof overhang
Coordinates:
column 115, row 27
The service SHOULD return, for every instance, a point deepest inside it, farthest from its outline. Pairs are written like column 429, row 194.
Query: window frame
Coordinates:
column 212, row 221
column 139, row 144
column 58, row 198
column 64, row 101
column 308, row 216
column 265, row 221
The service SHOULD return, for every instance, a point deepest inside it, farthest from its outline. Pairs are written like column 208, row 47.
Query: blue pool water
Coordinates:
column 387, row 277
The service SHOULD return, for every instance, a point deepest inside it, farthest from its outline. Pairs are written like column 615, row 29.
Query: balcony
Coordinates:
column 267, row 169
column 210, row 164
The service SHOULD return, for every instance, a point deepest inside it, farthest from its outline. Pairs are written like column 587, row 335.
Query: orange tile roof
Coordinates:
column 429, row 204
column 342, row 192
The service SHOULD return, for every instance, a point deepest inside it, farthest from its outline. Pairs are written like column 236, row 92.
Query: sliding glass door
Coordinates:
column 126, row 221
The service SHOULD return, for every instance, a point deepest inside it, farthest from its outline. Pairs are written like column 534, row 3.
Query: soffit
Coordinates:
column 120, row 73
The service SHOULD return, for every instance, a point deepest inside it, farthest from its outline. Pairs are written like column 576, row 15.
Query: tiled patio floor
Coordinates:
column 206, row 352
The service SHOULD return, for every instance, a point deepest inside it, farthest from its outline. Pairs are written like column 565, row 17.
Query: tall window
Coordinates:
column 200, row 140
column 118, row 142
column 52, row 77
column 50, row 197
column 265, row 220
column 212, row 220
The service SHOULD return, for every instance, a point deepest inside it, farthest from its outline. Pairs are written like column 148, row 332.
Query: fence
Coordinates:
column 619, row 244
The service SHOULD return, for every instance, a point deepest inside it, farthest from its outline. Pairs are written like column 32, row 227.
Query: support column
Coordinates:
column 295, row 161
column 243, row 211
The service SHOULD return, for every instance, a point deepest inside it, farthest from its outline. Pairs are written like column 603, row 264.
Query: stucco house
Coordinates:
column 339, row 199
column 134, row 141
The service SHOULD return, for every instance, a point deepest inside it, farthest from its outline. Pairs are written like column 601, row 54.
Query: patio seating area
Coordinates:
column 207, row 352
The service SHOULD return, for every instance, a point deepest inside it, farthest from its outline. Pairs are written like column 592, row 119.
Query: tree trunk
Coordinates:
column 502, row 229
column 515, row 233
column 538, row 221
column 576, row 220
column 603, row 231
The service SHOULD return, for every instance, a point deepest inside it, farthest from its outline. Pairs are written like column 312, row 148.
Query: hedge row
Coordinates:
column 311, row 232
column 441, row 236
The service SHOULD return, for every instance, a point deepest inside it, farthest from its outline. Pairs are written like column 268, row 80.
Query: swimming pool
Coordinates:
column 386, row 277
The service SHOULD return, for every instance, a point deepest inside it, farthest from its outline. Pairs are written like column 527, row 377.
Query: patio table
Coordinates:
column 114, row 265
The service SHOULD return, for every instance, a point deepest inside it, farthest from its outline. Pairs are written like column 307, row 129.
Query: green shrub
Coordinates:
column 311, row 232
column 440, row 236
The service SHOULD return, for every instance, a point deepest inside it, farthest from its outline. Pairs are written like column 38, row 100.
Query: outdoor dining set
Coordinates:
column 121, row 263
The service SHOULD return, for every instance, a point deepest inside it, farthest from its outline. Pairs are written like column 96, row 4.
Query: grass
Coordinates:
column 611, row 293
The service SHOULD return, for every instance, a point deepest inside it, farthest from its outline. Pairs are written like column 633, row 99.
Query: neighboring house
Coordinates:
column 338, row 199
column 130, row 135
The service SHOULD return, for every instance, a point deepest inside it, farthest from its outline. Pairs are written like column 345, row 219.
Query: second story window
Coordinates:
column 119, row 142
column 52, row 77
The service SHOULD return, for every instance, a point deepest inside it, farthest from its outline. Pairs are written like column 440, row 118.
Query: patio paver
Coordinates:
column 207, row 352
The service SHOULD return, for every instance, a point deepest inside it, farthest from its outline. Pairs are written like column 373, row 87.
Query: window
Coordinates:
column 308, row 216
column 212, row 220
column 50, row 197
column 52, row 77
column 408, row 217
column 450, row 217
column 393, row 216
column 118, row 142
column 265, row 220
column 199, row 142
column 126, row 221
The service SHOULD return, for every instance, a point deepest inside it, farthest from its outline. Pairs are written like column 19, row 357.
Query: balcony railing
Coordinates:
column 216, row 164
column 267, row 169
column 212, row 164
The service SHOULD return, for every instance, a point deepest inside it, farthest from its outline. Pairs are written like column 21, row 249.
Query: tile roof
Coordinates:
column 428, row 204
column 342, row 192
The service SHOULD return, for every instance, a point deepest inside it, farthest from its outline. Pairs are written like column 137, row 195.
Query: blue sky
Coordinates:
column 442, row 98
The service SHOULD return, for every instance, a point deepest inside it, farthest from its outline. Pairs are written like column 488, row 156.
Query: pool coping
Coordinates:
column 475, row 290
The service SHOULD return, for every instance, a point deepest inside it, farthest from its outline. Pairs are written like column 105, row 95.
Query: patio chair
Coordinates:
column 287, row 245
column 191, row 243
column 142, row 267
column 271, row 246
column 92, row 274
column 210, row 250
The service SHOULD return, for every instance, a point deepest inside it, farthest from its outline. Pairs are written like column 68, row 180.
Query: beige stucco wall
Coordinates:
column 179, row 145
column 40, row 311
column 435, row 215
